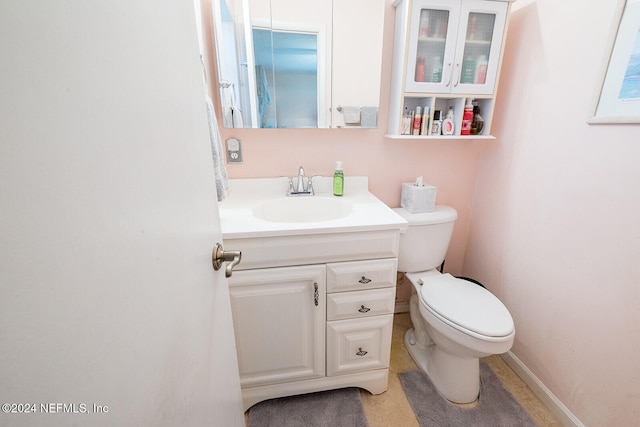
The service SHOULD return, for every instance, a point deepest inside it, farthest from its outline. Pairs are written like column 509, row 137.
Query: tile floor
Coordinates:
column 392, row 408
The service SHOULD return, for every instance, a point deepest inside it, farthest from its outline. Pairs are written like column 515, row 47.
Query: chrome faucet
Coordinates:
column 303, row 188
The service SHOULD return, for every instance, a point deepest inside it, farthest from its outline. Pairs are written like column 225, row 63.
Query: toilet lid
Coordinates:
column 467, row 305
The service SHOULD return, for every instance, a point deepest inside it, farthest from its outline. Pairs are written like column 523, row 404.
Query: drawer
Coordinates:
column 356, row 345
column 360, row 304
column 358, row 275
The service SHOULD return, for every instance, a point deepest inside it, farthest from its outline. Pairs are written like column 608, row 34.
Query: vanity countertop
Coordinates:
column 246, row 196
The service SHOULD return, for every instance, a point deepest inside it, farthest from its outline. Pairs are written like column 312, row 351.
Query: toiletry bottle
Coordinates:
column 424, row 23
column 420, row 69
column 424, row 130
column 417, row 121
column 406, row 123
column 338, row 180
column 436, row 71
column 478, row 122
column 481, row 70
column 467, row 118
column 468, row 73
column 448, row 126
column 437, row 123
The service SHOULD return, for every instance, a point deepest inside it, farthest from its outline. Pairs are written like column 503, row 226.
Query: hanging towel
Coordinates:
column 236, row 114
column 262, row 87
column 219, row 169
column 231, row 114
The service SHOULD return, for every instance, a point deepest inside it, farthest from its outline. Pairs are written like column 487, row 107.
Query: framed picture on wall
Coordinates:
column 618, row 100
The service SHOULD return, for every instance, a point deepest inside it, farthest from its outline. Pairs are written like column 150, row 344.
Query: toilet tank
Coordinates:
column 424, row 245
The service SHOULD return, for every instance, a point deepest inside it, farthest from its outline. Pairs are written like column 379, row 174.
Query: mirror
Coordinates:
column 299, row 63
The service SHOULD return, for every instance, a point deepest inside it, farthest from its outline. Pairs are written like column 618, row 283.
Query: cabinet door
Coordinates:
column 279, row 321
column 432, row 43
column 479, row 46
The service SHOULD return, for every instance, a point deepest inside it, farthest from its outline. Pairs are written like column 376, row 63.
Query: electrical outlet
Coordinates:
column 234, row 151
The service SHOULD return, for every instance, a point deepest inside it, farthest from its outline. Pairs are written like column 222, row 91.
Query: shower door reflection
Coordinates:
column 289, row 79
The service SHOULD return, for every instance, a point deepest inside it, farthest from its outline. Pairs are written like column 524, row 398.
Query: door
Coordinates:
column 110, row 311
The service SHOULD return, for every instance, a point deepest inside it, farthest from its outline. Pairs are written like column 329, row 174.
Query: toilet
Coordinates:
column 455, row 321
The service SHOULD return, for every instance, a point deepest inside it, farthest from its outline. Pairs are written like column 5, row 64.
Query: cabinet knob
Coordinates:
column 363, row 309
column 361, row 352
column 364, row 280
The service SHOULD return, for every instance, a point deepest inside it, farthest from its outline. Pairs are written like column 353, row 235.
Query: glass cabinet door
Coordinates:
column 479, row 46
column 431, row 46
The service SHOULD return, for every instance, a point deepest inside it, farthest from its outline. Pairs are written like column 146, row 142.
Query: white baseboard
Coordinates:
column 545, row 395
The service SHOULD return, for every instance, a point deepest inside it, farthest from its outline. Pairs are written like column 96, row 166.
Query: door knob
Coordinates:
column 220, row 255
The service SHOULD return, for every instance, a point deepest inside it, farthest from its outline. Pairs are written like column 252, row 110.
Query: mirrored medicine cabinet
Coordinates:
column 299, row 63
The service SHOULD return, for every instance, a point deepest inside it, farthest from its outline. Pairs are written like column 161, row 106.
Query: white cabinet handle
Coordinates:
column 450, row 75
column 457, row 76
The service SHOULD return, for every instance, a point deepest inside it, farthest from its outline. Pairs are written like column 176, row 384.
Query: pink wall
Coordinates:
column 555, row 230
column 450, row 165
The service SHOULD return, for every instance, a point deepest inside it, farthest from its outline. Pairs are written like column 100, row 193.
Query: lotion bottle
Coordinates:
column 448, row 126
column 338, row 180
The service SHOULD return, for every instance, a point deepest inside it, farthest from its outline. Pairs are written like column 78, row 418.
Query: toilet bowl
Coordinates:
column 455, row 321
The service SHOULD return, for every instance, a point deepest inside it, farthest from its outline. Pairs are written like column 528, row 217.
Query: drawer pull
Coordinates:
column 361, row 352
column 364, row 309
column 316, row 296
column 364, row 280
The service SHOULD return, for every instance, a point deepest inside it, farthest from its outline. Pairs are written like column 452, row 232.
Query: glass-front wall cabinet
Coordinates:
column 454, row 47
column 453, row 54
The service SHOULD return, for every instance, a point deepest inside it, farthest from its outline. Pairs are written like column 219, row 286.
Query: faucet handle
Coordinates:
column 310, row 183
column 291, row 189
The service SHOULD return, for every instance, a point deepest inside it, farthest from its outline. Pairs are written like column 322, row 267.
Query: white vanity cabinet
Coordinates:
column 445, row 53
column 324, row 323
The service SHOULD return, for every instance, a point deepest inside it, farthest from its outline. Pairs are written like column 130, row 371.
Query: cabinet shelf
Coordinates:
column 440, row 137
column 424, row 39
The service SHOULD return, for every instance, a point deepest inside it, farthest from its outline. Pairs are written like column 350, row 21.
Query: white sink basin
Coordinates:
column 303, row 209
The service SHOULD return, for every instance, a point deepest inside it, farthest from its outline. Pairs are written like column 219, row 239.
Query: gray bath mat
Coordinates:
column 333, row 408
column 496, row 406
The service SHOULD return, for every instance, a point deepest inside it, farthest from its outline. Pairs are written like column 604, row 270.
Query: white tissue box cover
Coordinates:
column 418, row 199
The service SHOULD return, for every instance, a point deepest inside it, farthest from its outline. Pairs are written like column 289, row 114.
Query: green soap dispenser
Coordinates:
column 338, row 180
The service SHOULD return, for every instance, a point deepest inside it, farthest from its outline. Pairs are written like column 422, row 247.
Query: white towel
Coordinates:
column 351, row 115
column 219, row 169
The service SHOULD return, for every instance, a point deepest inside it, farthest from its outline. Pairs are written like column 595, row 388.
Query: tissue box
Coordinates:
column 418, row 199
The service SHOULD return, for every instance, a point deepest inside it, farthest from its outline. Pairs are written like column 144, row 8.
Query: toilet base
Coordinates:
column 456, row 378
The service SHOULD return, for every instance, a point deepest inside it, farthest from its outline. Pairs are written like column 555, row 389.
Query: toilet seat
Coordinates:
column 465, row 306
